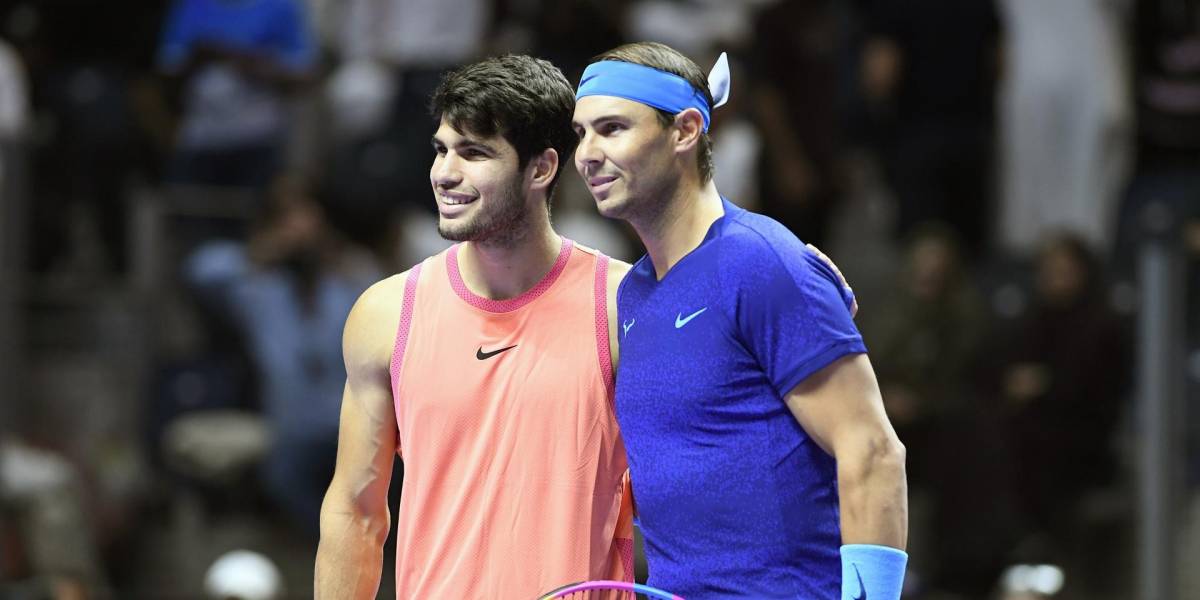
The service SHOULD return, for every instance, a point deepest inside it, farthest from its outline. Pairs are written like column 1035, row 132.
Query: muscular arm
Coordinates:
column 354, row 515
column 841, row 409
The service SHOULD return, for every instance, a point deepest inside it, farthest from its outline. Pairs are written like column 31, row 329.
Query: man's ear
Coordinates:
column 542, row 168
column 689, row 126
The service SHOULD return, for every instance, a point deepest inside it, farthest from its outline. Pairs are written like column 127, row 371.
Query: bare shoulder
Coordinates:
column 616, row 272
column 617, row 269
column 371, row 326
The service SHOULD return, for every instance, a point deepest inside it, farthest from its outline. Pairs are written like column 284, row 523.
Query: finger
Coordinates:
column 831, row 264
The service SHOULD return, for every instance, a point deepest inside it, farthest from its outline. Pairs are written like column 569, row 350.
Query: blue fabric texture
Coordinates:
column 871, row 572
column 649, row 86
column 734, row 498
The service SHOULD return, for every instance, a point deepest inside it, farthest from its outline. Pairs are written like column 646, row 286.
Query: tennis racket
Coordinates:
column 605, row 589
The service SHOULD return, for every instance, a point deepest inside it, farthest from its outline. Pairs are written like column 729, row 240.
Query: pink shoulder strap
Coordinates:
column 602, row 343
column 406, row 312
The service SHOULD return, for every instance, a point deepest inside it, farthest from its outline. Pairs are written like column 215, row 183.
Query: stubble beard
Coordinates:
column 646, row 209
column 502, row 224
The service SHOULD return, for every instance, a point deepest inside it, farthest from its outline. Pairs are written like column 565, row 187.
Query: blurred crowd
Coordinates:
column 196, row 191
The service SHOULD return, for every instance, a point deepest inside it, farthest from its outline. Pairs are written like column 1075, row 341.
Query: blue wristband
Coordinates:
column 872, row 572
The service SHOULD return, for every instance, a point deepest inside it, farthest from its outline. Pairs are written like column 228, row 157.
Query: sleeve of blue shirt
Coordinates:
column 792, row 313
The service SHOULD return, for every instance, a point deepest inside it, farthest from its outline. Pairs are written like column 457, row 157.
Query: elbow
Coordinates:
column 881, row 455
column 890, row 453
column 363, row 518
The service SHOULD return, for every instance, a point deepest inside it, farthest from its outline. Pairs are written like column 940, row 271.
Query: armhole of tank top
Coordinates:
column 603, row 349
column 397, row 363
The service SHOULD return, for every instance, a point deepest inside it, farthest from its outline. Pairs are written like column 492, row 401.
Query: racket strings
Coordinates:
column 602, row 595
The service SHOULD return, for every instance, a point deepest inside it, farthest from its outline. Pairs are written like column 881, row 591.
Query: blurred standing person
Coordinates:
column 1063, row 385
column 236, row 62
column 14, row 126
column 928, row 73
column 14, row 97
column 926, row 348
column 14, row 123
column 50, row 543
column 391, row 56
column 795, row 67
column 82, row 57
column 925, row 343
column 568, row 32
column 288, row 291
column 1066, row 122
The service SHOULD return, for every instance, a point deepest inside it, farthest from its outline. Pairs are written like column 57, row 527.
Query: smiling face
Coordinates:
column 478, row 187
column 625, row 157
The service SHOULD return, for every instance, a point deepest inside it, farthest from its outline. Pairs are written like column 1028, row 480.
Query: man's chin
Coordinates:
column 456, row 232
column 611, row 207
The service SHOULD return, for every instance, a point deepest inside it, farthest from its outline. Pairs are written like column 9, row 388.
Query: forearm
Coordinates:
column 873, row 494
column 350, row 554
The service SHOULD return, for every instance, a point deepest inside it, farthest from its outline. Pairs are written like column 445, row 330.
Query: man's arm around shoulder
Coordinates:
column 354, row 515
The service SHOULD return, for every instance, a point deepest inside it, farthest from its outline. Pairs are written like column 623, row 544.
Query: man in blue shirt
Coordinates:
column 758, row 444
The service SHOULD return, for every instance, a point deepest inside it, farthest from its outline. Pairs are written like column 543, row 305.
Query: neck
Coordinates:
column 500, row 272
column 681, row 225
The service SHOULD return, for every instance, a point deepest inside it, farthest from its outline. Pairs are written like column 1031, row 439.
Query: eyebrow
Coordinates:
column 602, row 119
column 466, row 142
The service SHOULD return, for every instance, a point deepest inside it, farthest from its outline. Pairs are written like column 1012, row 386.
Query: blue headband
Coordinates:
column 646, row 85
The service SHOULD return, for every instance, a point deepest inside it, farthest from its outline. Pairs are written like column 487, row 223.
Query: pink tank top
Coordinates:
column 515, row 479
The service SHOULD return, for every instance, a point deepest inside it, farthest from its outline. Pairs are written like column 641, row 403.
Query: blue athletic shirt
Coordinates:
column 733, row 497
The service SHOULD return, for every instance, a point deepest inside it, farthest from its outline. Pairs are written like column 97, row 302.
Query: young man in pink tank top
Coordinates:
column 489, row 369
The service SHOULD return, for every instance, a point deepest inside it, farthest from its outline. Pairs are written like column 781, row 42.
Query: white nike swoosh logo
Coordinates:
column 680, row 322
column 628, row 324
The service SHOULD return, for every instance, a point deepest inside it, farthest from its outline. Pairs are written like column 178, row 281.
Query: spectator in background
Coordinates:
column 14, row 121
column 569, row 31
column 795, row 66
column 392, row 54
column 925, row 347
column 1065, row 121
column 49, row 541
column 80, row 56
column 14, row 97
column 928, row 70
column 925, row 343
column 289, row 290
column 1062, row 388
column 237, row 62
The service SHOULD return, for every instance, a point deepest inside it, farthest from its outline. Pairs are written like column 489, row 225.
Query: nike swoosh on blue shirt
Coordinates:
column 680, row 322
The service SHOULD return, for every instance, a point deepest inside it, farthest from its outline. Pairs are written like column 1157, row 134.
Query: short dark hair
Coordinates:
column 527, row 101
column 665, row 58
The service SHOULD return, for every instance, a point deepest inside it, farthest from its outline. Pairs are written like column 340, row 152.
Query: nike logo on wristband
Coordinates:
column 862, row 589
